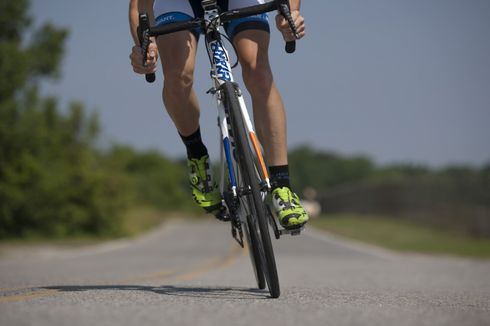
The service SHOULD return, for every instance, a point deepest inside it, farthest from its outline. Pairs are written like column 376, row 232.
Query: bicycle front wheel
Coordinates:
column 253, row 249
column 258, row 217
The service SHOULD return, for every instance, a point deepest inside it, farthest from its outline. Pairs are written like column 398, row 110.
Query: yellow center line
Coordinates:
column 27, row 296
column 19, row 288
column 226, row 261
column 216, row 263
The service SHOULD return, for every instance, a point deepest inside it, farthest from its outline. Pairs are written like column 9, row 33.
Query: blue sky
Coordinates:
column 397, row 80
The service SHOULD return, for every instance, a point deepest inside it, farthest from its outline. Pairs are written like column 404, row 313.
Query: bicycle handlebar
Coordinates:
column 175, row 27
column 144, row 39
column 145, row 31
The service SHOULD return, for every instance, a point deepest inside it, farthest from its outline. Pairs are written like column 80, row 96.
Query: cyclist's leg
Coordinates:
column 177, row 53
column 269, row 116
column 270, row 120
column 251, row 37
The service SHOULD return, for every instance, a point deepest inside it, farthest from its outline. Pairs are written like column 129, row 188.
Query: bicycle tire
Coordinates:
column 247, row 167
column 255, row 256
column 251, row 237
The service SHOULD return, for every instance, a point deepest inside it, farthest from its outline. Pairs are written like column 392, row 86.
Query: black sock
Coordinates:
column 279, row 176
column 194, row 145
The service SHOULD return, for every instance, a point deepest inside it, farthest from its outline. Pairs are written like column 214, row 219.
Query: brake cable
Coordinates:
column 213, row 22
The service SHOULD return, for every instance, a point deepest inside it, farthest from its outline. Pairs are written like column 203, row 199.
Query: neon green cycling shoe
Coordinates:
column 204, row 189
column 288, row 208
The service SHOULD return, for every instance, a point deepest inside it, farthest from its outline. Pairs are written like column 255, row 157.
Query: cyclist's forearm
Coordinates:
column 135, row 7
column 295, row 4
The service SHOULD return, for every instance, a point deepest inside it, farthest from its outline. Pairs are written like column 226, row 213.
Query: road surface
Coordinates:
column 194, row 274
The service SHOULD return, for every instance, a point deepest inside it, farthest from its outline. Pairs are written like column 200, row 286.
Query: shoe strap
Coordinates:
column 196, row 177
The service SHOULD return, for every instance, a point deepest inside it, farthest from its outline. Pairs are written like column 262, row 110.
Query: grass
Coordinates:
column 134, row 222
column 404, row 236
column 141, row 219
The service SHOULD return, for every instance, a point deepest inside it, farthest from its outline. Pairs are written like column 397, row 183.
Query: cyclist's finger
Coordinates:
column 285, row 29
column 150, row 67
column 299, row 20
column 136, row 54
column 152, row 52
column 281, row 22
column 144, row 70
column 287, row 33
column 151, row 64
column 151, row 59
column 288, row 36
column 136, row 58
column 137, row 68
column 137, row 51
column 151, row 56
column 301, row 29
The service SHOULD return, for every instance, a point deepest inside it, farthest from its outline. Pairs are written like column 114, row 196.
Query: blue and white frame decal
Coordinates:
column 221, row 61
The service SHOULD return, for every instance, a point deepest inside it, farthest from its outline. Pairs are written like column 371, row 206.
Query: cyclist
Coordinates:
column 177, row 51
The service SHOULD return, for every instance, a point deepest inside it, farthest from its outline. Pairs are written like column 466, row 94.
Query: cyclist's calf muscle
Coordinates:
column 178, row 53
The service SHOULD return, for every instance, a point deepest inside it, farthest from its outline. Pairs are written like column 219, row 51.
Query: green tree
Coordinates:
column 152, row 179
column 22, row 64
column 322, row 170
column 51, row 181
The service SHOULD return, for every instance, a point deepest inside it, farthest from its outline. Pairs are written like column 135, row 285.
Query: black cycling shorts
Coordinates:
column 169, row 11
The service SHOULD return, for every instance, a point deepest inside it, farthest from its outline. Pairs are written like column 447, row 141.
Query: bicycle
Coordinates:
column 244, row 180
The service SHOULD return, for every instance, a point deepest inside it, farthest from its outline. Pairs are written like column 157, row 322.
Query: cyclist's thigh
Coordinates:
column 177, row 50
column 252, row 46
column 256, row 22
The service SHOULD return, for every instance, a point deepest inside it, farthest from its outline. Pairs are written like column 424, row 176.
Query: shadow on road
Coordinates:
column 222, row 293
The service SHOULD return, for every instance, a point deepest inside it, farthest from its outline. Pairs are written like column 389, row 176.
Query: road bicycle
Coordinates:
column 244, row 179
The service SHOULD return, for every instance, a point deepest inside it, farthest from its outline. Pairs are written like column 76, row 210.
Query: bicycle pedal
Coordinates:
column 223, row 215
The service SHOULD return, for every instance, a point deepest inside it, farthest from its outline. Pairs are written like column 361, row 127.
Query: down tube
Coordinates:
column 227, row 146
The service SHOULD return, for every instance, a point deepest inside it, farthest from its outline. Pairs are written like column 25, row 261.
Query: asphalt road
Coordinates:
column 193, row 274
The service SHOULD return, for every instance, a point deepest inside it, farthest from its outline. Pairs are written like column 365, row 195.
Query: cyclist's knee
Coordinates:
column 257, row 76
column 178, row 82
column 177, row 52
column 252, row 46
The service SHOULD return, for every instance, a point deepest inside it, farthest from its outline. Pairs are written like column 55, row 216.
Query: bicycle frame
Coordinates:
column 220, row 72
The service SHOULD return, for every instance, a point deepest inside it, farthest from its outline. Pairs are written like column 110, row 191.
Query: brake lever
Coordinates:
column 144, row 38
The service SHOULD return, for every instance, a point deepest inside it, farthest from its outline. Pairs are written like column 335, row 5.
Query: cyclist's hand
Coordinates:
column 136, row 57
column 283, row 26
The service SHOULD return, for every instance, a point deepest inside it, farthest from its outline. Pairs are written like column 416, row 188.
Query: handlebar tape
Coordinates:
column 144, row 38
